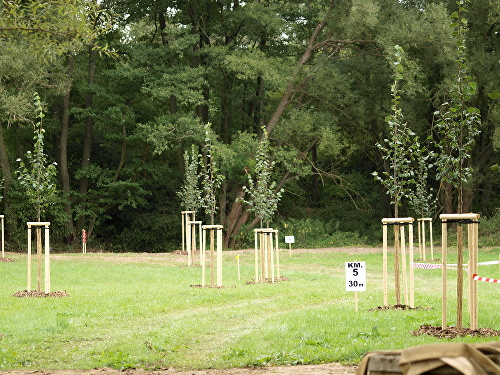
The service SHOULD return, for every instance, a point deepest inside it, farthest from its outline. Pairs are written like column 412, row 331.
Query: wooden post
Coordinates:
column 185, row 217
column 424, row 250
column 420, row 252
column 256, row 256
column 472, row 221
column 430, row 239
column 264, row 252
column 403, row 263
column 215, row 259
column 191, row 239
column 38, row 226
column 3, row 236
column 47, row 259
column 398, row 243
column 203, row 258
column 356, row 301
column 238, row 265
column 277, row 249
column 29, row 259
column 444, row 246
column 219, row 256
column 412, row 278
column 189, row 243
column 384, row 264
column 271, row 248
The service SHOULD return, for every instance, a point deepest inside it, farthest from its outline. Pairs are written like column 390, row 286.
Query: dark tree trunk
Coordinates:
column 63, row 154
column 87, row 137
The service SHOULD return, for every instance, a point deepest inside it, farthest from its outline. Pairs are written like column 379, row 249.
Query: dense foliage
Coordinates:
column 127, row 87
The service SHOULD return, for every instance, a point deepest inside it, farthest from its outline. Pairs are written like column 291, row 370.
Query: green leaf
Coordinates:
column 494, row 94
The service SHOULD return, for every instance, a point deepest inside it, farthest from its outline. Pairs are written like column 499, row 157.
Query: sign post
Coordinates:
column 355, row 279
column 290, row 240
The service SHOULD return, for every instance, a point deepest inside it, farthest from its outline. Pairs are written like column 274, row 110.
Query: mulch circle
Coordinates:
column 34, row 293
column 452, row 332
column 399, row 307
column 5, row 260
column 269, row 281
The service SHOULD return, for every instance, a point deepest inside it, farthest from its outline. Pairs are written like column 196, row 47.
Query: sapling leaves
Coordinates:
column 264, row 197
column 37, row 176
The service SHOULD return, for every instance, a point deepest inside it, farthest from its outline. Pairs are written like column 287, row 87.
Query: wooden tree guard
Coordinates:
column 38, row 226
column 191, row 239
column 215, row 234
column 421, row 238
column 265, row 254
column 3, row 236
column 401, row 223
column 185, row 217
column 472, row 221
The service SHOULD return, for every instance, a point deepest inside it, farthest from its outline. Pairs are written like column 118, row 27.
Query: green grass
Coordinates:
column 125, row 311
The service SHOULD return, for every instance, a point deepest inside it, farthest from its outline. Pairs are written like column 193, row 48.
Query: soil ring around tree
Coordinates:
column 34, row 293
column 453, row 332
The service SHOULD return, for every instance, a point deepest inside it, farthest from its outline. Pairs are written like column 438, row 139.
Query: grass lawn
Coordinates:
column 141, row 311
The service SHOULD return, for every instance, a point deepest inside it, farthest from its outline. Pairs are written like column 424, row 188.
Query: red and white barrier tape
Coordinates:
column 487, row 279
column 431, row 266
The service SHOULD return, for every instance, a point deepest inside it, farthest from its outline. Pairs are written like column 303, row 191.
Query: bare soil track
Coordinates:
column 324, row 369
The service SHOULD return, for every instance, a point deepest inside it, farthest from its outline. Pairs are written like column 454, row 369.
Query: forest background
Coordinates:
column 128, row 86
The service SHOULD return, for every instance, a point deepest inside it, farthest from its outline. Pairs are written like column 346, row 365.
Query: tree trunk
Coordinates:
column 63, row 156
column 5, row 165
column 447, row 196
column 87, row 138
column 311, row 47
column 233, row 216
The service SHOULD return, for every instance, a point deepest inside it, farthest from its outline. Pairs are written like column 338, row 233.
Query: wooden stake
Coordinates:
column 47, row 260
column 444, row 247
column 397, row 286
column 212, row 258
column 238, row 265
column 460, row 275
column 419, row 225
column 384, row 264
column 271, row 248
column 277, row 254
column 430, row 239
column 29, row 259
column 424, row 250
column 412, row 278
column 219, row 256
column 256, row 256
column 203, row 258
column 38, row 228
column 403, row 263
column 3, row 236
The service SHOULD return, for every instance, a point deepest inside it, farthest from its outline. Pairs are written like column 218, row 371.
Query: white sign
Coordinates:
column 355, row 276
column 289, row 239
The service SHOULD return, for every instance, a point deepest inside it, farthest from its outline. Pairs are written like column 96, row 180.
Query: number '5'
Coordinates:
column 355, row 272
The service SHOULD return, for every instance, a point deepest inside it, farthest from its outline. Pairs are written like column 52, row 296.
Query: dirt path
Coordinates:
column 324, row 369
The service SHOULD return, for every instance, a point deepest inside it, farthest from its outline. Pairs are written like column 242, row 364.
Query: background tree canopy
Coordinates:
column 128, row 87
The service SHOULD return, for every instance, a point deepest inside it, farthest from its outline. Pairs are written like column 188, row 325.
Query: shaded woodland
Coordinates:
column 128, row 86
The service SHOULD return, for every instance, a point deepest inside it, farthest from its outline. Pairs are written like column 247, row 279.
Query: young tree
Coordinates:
column 400, row 149
column 264, row 197
column 38, row 177
column 190, row 193
column 39, row 181
column 398, row 152
column 457, row 126
column 211, row 178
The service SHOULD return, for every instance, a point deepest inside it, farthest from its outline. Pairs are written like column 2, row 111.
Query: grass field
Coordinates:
column 141, row 311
